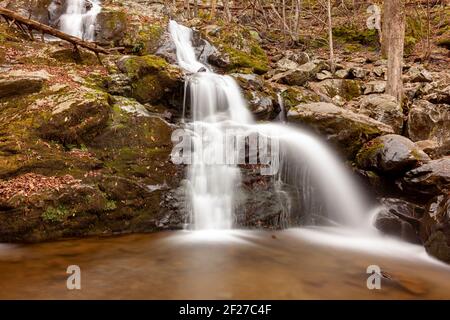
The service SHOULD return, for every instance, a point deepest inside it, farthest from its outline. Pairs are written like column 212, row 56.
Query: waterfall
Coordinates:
column 79, row 18
column 216, row 105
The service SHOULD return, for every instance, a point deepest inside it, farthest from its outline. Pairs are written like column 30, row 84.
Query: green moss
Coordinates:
column 110, row 205
column 138, row 66
column 242, row 47
column 57, row 214
column 350, row 33
column 350, row 89
column 368, row 151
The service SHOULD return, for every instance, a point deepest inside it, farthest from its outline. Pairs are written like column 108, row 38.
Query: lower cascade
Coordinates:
column 220, row 119
column 79, row 18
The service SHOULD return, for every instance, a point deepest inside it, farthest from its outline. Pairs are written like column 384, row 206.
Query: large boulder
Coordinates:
column 427, row 121
column 430, row 178
column 435, row 227
column 300, row 75
column 21, row 82
column 76, row 118
column 384, row 108
column 346, row 129
column 152, row 78
column 260, row 97
column 390, row 154
column 347, row 89
column 111, row 27
column 399, row 218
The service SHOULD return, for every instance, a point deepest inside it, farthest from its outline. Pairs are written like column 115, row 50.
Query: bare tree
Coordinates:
column 330, row 36
column 395, row 15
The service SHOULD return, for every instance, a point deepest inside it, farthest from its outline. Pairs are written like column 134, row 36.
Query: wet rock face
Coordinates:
column 390, row 154
column 346, row 129
column 430, row 178
column 384, row 108
column 399, row 218
column 435, row 227
column 427, row 121
column 260, row 97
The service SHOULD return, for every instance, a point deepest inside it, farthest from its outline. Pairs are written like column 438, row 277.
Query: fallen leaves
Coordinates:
column 32, row 183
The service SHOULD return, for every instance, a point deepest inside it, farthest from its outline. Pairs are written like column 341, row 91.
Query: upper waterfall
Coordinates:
column 216, row 105
column 79, row 18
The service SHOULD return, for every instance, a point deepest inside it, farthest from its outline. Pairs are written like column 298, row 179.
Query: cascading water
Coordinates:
column 79, row 18
column 216, row 105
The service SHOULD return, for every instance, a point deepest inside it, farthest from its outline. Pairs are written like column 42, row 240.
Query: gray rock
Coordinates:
column 399, row 218
column 435, row 227
column 324, row 75
column 427, row 121
column 391, row 153
column 286, row 64
column 22, row 82
column 344, row 128
column 430, row 178
column 376, row 86
column 418, row 74
column 347, row 89
column 358, row 72
column 300, row 75
column 384, row 108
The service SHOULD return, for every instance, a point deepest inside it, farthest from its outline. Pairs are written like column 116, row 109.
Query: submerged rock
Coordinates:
column 346, row 129
column 390, row 154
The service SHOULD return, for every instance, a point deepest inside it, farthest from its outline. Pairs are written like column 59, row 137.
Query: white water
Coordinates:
column 79, row 20
column 216, row 104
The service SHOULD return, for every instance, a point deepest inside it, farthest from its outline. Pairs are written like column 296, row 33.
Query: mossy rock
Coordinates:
column 144, row 38
column 243, row 51
column 152, row 78
column 345, row 129
column 77, row 119
column 111, row 26
column 350, row 33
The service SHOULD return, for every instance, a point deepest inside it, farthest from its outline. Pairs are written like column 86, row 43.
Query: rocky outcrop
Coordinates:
column 430, row 178
column 260, row 97
column 152, row 79
column 384, row 108
column 435, row 227
column 346, row 129
column 347, row 89
column 390, row 154
column 300, row 75
column 76, row 118
column 19, row 82
column 427, row 121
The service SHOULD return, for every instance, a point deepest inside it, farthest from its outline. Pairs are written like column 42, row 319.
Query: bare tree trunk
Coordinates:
column 385, row 28
column 187, row 7
column 226, row 8
column 396, row 38
column 330, row 36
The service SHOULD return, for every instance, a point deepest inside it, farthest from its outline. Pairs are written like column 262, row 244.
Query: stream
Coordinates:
column 288, row 264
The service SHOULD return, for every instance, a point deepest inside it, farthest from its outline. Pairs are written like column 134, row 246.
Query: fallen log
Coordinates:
column 24, row 23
